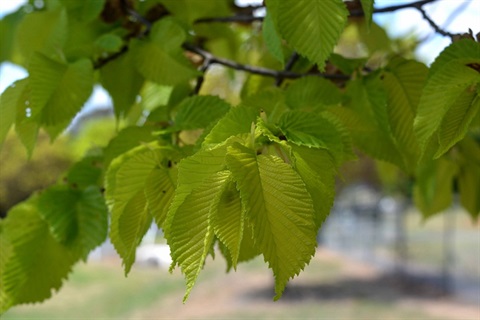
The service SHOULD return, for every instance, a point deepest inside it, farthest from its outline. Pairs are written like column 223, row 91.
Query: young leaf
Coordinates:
column 191, row 233
column 367, row 6
column 227, row 220
column 125, row 185
column 311, row 27
column 280, row 209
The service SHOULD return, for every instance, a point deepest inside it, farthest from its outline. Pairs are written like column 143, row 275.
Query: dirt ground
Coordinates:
column 237, row 294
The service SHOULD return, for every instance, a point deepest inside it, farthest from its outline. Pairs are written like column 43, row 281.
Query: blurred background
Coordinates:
column 376, row 259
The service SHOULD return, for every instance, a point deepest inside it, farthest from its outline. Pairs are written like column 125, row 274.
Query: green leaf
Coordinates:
column 8, row 31
column 43, row 31
column 59, row 90
column 461, row 49
column 367, row 6
column 191, row 233
column 125, row 140
column 280, row 209
column 365, row 115
column 433, row 186
column 238, row 120
column 160, row 58
column 403, row 81
column 12, row 101
column 85, row 173
column 311, row 130
column 199, row 111
column 469, row 187
column 190, row 10
column 317, row 169
column 311, row 27
column 456, row 122
column 273, row 41
column 77, row 218
column 84, row 11
column 159, row 192
column 449, row 88
column 312, row 94
column 270, row 100
column 125, row 184
column 122, row 81
column 228, row 220
column 35, row 263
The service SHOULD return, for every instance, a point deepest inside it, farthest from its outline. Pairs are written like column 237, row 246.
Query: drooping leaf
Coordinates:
column 228, row 220
column 433, row 186
column 58, row 90
column 12, row 101
column 159, row 192
column 367, row 6
column 403, row 81
column 317, row 169
column 86, row 172
column 35, row 263
column 122, row 81
column 280, row 209
column 49, row 36
column 461, row 49
column 452, row 86
column 77, row 218
column 273, row 41
column 191, row 233
column 159, row 58
column 311, row 27
column 125, row 195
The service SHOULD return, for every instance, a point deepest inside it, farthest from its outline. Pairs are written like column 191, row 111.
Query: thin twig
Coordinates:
column 416, row 5
column 434, row 25
column 293, row 59
column 258, row 70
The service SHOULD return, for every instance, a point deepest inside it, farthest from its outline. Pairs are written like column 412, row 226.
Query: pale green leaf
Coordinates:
column 280, row 209
column 461, row 49
column 191, row 233
column 36, row 264
column 317, row 169
column 59, row 90
column 122, row 81
column 86, row 172
column 227, row 220
column 311, row 130
column 238, row 120
column 125, row 185
column 159, row 192
column 77, row 218
column 311, row 27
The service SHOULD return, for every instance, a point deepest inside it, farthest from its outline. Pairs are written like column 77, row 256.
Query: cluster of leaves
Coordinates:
column 257, row 178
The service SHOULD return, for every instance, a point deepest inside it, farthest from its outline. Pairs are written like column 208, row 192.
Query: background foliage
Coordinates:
column 230, row 128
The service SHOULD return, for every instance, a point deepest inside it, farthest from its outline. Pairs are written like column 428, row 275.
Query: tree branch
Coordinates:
column 434, row 25
column 416, row 5
column 293, row 58
column 258, row 70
